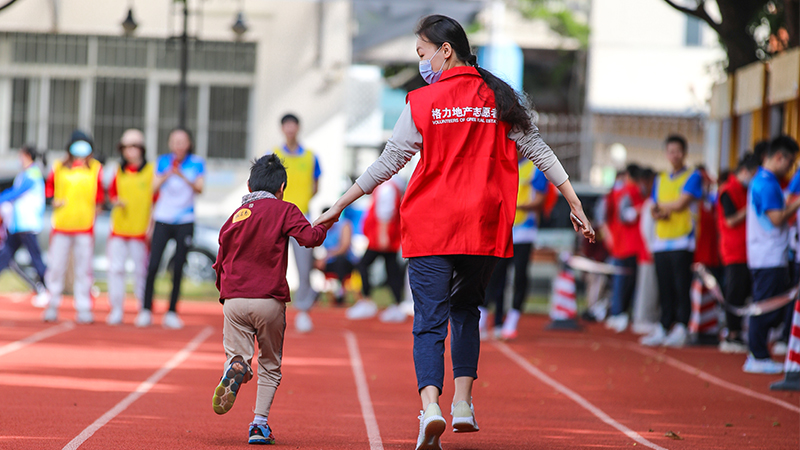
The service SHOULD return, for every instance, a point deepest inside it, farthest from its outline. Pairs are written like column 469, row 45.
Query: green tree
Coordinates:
column 558, row 16
column 741, row 21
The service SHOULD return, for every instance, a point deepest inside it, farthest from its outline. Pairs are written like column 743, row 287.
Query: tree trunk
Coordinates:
column 792, row 11
column 733, row 31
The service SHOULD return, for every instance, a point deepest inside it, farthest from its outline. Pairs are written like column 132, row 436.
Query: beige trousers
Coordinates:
column 262, row 320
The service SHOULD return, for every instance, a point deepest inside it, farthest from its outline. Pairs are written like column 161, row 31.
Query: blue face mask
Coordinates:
column 81, row 149
column 427, row 72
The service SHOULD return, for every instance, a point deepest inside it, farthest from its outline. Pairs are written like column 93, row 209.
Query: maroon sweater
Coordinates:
column 253, row 249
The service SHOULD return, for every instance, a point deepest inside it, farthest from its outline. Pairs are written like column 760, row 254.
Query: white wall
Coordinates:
column 638, row 60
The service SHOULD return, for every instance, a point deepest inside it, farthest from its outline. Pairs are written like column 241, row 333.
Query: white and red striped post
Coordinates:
column 704, row 320
column 791, row 380
column 563, row 307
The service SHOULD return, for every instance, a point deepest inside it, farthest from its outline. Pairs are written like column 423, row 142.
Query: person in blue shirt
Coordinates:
column 794, row 192
column 27, row 198
column 768, row 247
column 339, row 258
column 179, row 177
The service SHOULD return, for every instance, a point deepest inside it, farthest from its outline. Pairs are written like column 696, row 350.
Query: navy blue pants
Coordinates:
column 497, row 284
column 767, row 283
column 27, row 240
column 623, row 286
column 447, row 289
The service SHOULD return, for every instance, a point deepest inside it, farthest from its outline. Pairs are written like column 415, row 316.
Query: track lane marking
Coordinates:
column 142, row 389
column 36, row 337
column 691, row 370
column 531, row 369
column 367, row 411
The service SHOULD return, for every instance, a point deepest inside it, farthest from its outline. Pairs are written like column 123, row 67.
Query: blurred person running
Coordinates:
column 251, row 278
column 675, row 194
column 737, row 282
column 458, row 211
column 26, row 219
column 303, row 170
column 76, row 189
column 382, row 229
column 530, row 200
column 179, row 177
column 768, row 248
column 131, row 196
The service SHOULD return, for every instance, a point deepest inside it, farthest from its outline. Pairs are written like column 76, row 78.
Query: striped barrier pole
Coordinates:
column 563, row 307
column 791, row 380
column 704, row 319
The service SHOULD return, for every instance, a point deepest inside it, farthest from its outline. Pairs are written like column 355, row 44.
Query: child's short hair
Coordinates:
column 267, row 174
column 289, row 117
column 784, row 144
column 677, row 139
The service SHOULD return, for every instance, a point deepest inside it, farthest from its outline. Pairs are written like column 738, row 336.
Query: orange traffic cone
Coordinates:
column 791, row 380
column 563, row 308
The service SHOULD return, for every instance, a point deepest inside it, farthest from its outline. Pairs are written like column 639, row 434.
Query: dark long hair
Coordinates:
column 438, row 29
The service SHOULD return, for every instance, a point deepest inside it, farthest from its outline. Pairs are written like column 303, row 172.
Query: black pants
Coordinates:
column 738, row 285
column 497, row 284
column 674, row 275
column 767, row 283
column 162, row 233
column 623, row 286
column 394, row 273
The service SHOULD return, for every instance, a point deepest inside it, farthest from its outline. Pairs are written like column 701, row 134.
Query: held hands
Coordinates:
column 581, row 224
column 328, row 218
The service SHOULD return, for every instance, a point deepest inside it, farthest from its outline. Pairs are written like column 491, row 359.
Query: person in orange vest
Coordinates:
column 131, row 196
column 77, row 192
column 303, row 169
column 382, row 229
column 731, row 214
column 675, row 193
column 459, row 208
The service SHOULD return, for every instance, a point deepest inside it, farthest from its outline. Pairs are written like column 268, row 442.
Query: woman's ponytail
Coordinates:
column 439, row 29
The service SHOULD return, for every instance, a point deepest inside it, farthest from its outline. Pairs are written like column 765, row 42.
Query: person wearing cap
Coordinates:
column 77, row 192
column 131, row 196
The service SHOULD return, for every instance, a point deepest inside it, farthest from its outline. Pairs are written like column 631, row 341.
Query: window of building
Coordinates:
column 63, row 114
column 209, row 56
column 19, row 112
column 121, row 52
column 227, row 122
column 118, row 105
column 693, row 36
column 168, row 113
column 49, row 48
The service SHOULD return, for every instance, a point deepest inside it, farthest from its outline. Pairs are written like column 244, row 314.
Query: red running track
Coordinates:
column 351, row 385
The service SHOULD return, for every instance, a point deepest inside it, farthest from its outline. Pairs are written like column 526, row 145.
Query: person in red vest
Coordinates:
column 731, row 213
column 458, row 211
column 623, row 208
column 707, row 250
column 382, row 229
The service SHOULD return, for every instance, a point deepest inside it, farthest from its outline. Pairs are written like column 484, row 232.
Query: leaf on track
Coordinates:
column 673, row 435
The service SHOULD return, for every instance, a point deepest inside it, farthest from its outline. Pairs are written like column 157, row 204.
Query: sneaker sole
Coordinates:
column 258, row 440
column 464, row 425
column 433, row 431
column 225, row 393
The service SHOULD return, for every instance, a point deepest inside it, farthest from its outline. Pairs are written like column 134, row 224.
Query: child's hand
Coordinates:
column 57, row 203
column 328, row 218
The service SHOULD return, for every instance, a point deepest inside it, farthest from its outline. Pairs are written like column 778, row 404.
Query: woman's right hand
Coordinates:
column 581, row 224
column 329, row 217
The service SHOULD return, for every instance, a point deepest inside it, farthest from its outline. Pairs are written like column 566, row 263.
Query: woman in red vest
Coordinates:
column 458, row 210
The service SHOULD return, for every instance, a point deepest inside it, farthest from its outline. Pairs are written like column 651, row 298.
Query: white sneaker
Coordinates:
column 431, row 427
column 363, row 309
column 766, row 365
column 171, row 321
column 643, row 327
column 393, row 314
column 463, row 417
column 407, row 306
column 144, row 319
column 484, row 334
column 50, row 315
column 732, row 346
column 779, row 348
column 41, row 299
column 303, row 323
column 114, row 317
column 84, row 317
column 655, row 338
column 677, row 337
column 618, row 323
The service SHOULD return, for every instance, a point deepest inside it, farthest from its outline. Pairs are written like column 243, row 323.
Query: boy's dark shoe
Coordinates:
column 261, row 435
column 225, row 394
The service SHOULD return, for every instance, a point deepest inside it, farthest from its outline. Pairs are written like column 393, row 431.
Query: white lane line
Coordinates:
column 143, row 388
column 531, row 369
column 36, row 337
column 373, row 432
column 691, row 370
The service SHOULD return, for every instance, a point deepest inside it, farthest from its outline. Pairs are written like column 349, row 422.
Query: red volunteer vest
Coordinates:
column 732, row 241
column 462, row 197
column 627, row 236
column 371, row 223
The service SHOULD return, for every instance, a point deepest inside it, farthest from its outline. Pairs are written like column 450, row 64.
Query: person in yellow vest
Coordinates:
column 675, row 194
column 77, row 192
column 131, row 196
column 303, row 172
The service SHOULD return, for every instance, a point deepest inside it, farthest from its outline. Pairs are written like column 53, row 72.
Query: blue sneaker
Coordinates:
column 261, row 435
column 229, row 384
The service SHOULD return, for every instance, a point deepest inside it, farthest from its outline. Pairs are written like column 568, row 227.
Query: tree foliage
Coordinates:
column 750, row 30
column 558, row 16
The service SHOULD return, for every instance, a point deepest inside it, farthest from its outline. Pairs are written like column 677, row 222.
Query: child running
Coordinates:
column 251, row 278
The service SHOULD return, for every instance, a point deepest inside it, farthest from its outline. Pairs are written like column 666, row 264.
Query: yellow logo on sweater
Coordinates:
column 241, row 215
